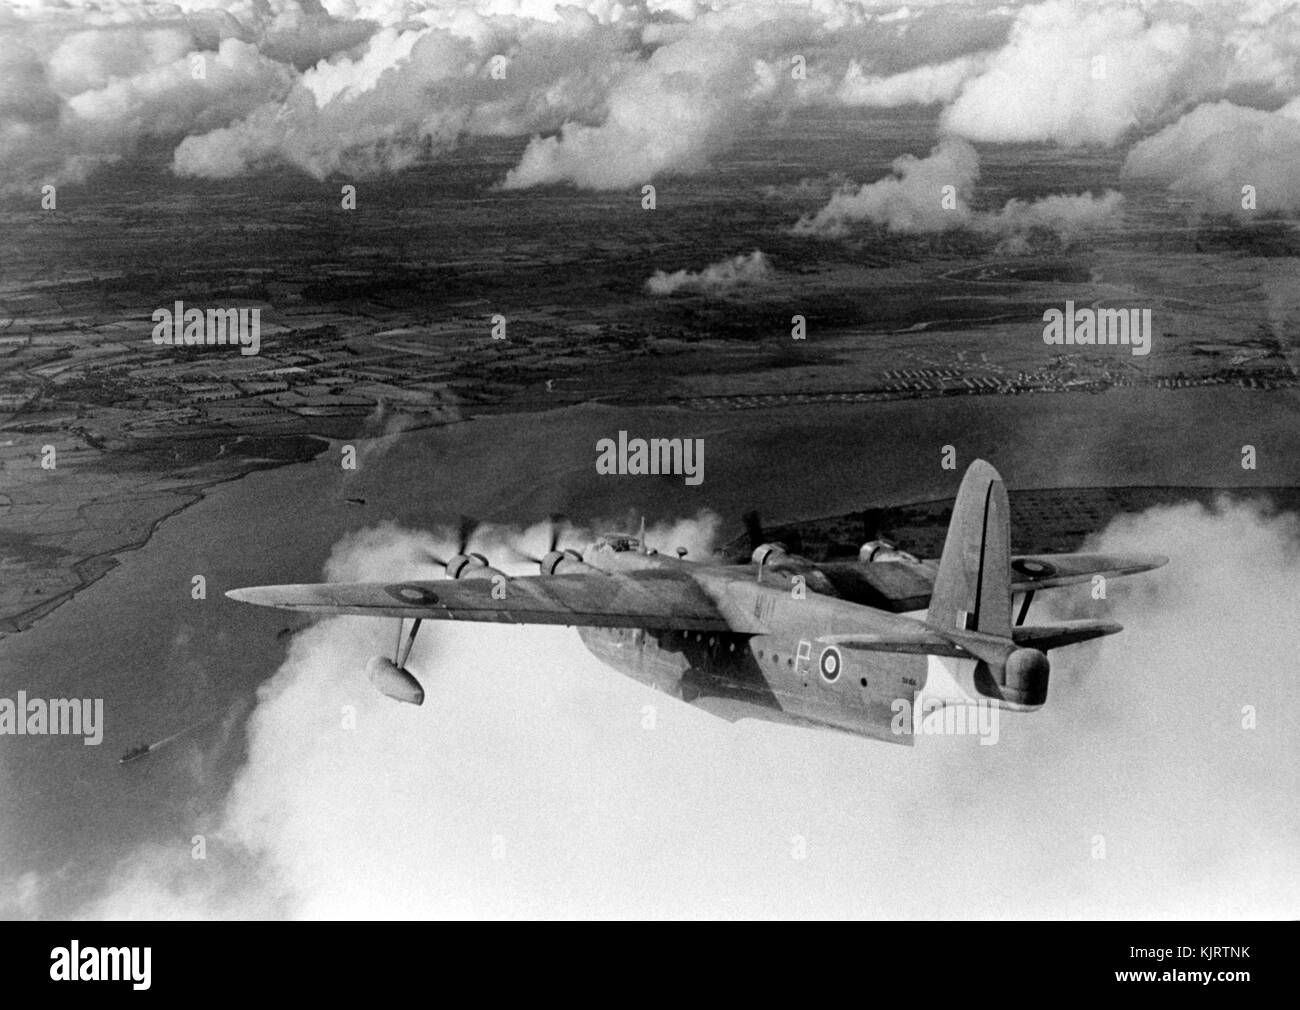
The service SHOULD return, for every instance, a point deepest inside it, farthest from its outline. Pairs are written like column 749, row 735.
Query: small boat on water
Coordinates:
column 141, row 750
column 135, row 752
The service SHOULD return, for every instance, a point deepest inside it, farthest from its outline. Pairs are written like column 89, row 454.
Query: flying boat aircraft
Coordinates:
column 782, row 638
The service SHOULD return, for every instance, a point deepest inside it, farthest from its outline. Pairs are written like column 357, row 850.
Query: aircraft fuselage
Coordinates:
column 790, row 674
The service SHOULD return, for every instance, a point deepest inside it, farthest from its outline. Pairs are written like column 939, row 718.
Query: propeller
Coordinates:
column 465, row 530
column 871, row 519
column 557, row 523
column 791, row 541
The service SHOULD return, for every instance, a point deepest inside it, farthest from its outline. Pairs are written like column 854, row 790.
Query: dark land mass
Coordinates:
column 1043, row 521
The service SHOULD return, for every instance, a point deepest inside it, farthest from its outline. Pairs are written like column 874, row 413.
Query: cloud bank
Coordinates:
column 1215, row 151
column 535, row 782
column 611, row 95
column 1090, row 74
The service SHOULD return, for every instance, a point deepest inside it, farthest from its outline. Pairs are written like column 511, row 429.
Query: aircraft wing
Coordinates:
column 655, row 599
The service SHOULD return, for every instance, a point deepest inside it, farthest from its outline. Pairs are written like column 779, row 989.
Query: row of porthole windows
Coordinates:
column 731, row 647
column 686, row 635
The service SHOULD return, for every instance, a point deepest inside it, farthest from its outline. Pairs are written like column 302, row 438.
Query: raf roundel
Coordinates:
column 829, row 663
column 1033, row 568
column 412, row 593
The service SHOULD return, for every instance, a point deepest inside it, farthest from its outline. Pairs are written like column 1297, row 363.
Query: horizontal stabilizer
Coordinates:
column 1048, row 571
column 922, row 642
column 1053, row 636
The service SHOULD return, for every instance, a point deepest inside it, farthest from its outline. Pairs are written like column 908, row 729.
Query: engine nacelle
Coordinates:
column 472, row 566
column 462, row 563
column 395, row 681
column 766, row 554
column 882, row 550
column 1021, row 682
column 564, row 562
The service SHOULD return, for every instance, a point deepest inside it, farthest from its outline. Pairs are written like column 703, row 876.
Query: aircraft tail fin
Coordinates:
column 972, row 590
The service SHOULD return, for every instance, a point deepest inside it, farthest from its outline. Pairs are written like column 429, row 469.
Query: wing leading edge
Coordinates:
column 646, row 599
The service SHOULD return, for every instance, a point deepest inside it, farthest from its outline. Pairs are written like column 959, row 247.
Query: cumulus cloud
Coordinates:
column 1074, row 74
column 411, row 93
column 924, row 85
column 83, row 107
column 91, row 59
column 1078, row 73
column 611, row 94
column 536, row 782
column 923, row 194
column 1064, row 214
column 715, row 279
column 1215, row 150
column 670, row 112
column 934, row 194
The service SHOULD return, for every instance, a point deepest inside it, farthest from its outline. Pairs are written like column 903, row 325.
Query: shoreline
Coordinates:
column 27, row 619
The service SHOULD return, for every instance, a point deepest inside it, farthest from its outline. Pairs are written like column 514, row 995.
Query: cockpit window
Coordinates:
column 619, row 543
